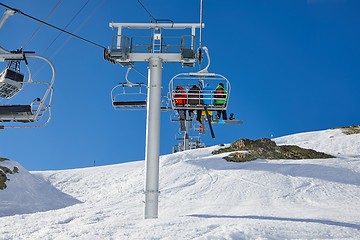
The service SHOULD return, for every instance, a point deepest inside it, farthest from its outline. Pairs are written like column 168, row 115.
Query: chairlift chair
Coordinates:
column 31, row 114
column 207, row 96
column 194, row 143
column 129, row 95
column 207, row 99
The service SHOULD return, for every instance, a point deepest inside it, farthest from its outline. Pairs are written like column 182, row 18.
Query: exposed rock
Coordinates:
column 264, row 148
column 350, row 129
column 3, row 174
column 3, row 179
column 3, row 159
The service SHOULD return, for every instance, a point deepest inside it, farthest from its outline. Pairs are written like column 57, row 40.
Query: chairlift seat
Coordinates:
column 129, row 95
column 130, row 104
column 220, row 121
column 16, row 113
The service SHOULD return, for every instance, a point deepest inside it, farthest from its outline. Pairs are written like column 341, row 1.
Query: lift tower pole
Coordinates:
column 126, row 51
column 153, row 138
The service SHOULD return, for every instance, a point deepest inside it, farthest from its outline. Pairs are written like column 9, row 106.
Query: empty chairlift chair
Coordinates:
column 36, row 111
column 129, row 95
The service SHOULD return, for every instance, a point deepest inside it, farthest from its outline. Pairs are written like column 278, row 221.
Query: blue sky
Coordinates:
column 293, row 67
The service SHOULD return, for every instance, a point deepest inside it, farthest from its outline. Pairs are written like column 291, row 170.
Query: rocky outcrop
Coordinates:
column 246, row 150
column 350, row 130
column 4, row 171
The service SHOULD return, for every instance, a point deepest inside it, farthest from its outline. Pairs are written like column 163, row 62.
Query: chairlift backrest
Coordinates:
column 11, row 81
column 129, row 95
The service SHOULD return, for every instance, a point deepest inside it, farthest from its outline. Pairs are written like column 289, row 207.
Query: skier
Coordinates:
column 220, row 99
column 195, row 99
column 180, row 100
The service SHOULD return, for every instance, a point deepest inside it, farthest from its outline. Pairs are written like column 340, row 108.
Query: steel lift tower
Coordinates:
column 156, row 50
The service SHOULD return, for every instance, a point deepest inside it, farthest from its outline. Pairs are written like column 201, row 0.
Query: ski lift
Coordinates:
column 174, row 117
column 206, row 96
column 200, row 92
column 25, row 111
column 194, row 142
column 129, row 95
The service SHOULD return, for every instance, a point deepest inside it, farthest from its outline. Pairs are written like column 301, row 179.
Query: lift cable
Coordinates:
column 142, row 5
column 71, row 20
column 136, row 70
column 79, row 27
column 156, row 20
column 40, row 26
column 75, row 31
column 50, row 25
column 65, row 42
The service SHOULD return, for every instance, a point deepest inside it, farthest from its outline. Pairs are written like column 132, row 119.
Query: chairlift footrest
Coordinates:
column 220, row 121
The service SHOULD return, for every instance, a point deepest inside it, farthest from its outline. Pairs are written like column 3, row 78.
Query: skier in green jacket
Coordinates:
column 220, row 99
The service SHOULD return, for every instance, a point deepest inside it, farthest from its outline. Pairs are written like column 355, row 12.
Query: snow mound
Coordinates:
column 333, row 141
column 27, row 193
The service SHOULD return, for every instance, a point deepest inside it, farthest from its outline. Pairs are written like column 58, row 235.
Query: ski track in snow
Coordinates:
column 205, row 197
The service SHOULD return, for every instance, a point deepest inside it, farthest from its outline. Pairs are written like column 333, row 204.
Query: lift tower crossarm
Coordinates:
column 156, row 25
column 120, row 26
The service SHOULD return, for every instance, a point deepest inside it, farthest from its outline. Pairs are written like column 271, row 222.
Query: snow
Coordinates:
column 202, row 197
column 28, row 193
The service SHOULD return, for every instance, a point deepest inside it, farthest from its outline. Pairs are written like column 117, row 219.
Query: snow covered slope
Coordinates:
column 205, row 197
column 26, row 193
column 332, row 141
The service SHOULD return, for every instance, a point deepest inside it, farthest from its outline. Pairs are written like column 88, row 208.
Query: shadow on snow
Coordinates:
column 300, row 220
